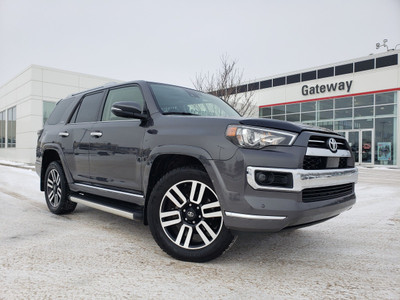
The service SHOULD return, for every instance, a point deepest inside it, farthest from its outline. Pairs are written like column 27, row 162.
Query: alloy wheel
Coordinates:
column 54, row 192
column 190, row 214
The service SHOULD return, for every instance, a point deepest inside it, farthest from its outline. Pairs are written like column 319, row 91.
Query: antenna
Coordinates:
column 378, row 45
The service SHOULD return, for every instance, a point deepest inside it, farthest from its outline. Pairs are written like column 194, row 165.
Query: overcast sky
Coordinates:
column 171, row 41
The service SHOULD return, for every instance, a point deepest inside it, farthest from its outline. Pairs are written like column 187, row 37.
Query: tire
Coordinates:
column 185, row 216
column 56, row 190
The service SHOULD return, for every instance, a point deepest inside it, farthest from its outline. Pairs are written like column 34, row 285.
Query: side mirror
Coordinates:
column 128, row 110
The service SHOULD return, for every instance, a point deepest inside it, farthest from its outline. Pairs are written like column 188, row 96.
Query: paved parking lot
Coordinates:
column 91, row 254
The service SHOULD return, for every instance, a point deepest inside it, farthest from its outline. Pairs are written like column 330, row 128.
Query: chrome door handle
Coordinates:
column 63, row 134
column 96, row 134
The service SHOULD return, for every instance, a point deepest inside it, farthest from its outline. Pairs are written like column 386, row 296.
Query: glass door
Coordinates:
column 361, row 144
column 366, row 147
column 353, row 137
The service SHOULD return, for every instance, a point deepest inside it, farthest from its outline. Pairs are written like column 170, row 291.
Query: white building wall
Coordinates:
column 369, row 81
column 27, row 91
column 362, row 82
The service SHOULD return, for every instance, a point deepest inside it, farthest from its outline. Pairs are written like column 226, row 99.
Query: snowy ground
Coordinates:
column 91, row 254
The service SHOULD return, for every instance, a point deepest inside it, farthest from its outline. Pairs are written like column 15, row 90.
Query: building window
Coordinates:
column 266, row 84
column 265, row 112
column 385, row 141
column 309, row 76
column 328, row 72
column 278, row 110
column 48, row 108
column 293, row 78
column 3, row 129
column 279, row 81
column 344, row 69
column 11, row 127
column 365, row 65
column 386, row 61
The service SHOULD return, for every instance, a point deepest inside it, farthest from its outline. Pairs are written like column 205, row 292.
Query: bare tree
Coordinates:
column 227, row 84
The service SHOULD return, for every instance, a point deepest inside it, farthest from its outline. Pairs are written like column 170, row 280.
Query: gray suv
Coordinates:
column 189, row 166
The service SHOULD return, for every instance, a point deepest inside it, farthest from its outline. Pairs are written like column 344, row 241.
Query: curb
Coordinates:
column 26, row 167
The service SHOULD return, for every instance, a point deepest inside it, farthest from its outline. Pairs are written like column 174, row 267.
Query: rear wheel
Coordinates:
column 185, row 216
column 56, row 190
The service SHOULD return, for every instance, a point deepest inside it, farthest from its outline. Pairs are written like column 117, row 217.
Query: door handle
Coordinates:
column 63, row 134
column 96, row 134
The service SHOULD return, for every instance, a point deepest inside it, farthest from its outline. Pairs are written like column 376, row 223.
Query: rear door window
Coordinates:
column 89, row 108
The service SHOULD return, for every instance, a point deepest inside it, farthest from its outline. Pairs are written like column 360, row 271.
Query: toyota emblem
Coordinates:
column 332, row 145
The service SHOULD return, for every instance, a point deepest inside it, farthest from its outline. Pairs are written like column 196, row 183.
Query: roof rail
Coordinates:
column 95, row 88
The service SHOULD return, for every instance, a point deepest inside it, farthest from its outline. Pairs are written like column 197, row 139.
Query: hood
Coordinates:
column 283, row 125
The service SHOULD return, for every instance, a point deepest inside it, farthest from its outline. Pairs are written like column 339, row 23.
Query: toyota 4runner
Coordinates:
column 189, row 166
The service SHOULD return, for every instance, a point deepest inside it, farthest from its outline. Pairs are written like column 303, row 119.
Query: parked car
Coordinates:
column 189, row 166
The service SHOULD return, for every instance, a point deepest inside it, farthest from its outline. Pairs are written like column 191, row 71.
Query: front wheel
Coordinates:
column 185, row 216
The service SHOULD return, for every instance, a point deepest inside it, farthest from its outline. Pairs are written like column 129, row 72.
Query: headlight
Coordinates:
column 257, row 138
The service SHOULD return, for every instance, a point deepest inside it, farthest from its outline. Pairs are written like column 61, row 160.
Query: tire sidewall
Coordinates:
column 64, row 188
column 216, row 248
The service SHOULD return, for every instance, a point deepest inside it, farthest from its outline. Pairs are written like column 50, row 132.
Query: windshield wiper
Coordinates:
column 179, row 113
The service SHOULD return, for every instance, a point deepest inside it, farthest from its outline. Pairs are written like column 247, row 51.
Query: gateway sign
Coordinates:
column 323, row 88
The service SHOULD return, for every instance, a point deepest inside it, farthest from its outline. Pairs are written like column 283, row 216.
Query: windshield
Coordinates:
column 183, row 101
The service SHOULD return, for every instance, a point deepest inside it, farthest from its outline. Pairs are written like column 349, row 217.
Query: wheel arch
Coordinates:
column 51, row 153
column 166, row 158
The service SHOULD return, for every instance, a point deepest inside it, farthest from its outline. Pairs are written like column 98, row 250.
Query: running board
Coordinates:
column 115, row 207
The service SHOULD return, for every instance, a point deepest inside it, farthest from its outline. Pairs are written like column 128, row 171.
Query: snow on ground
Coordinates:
column 91, row 254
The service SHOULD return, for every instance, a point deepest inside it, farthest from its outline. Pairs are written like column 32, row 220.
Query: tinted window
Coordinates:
column 125, row 94
column 308, row 75
column 265, row 84
column 278, row 110
column 323, row 73
column 385, row 98
column 293, row 78
column 386, row 61
column 293, row 108
column 293, row 117
column 254, row 86
column 343, row 113
column 364, row 65
column 308, row 106
column 344, row 69
column 344, row 102
column 242, row 88
column 325, row 115
column 279, row 81
column 325, row 104
column 363, row 112
column 89, row 109
column 265, row 111
column 58, row 112
column 365, row 100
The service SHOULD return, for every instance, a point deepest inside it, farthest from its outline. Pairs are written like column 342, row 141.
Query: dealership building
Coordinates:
column 357, row 98
column 26, row 102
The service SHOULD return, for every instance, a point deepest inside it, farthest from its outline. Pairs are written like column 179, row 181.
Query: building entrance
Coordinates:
column 362, row 145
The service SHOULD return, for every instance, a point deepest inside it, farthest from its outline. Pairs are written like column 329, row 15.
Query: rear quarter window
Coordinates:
column 59, row 111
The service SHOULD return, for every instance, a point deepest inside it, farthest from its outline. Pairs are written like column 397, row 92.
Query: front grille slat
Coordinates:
column 322, row 142
column 327, row 193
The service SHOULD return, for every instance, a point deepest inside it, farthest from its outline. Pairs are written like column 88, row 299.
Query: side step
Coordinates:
column 119, row 208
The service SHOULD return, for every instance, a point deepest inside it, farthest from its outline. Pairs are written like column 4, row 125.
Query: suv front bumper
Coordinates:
column 272, row 208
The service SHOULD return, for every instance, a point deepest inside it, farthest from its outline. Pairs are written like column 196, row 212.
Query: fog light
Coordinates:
column 278, row 179
column 265, row 178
